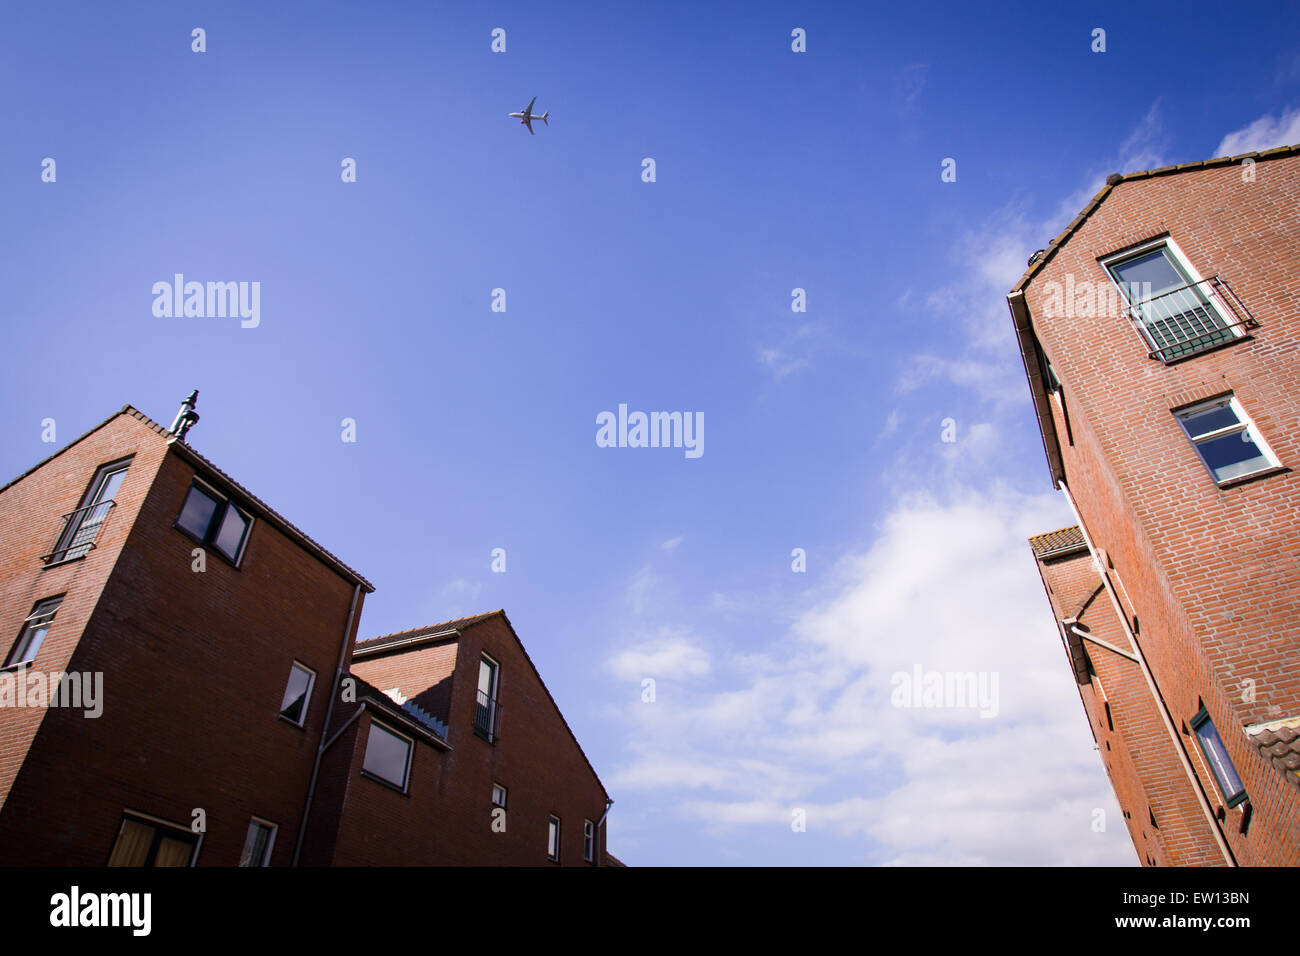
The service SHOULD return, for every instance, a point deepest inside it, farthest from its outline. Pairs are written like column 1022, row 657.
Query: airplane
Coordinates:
column 526, row 116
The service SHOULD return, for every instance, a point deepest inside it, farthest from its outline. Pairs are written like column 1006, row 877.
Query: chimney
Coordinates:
column 186, row 417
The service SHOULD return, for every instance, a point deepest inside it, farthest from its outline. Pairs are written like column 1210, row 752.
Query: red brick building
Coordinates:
column 175, row 689
column 1160, row 333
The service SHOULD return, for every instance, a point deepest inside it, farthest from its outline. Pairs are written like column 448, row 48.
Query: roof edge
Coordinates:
column 1115, row 180
column 1037, row 387
column 281, row 523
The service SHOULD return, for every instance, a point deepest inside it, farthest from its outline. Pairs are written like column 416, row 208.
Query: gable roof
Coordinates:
column 401, row 640
column 1023, row 322
column 256, row 504
column 1059, row 542
column 433, row 730
column 125, row 410
column 420, row 634
column 1117, row 179
column 1279, row 745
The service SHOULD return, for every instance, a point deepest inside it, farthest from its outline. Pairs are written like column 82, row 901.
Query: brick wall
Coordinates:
column 195, row 669
column 1212, row 573
column 535, row 757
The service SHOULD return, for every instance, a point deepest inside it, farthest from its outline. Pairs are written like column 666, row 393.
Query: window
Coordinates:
column 33, row 633
column 258, row 843
column 146, row 842
column 498, row 795
column 1226, row 439
column 1177, row 311
column 214, row 522
column 1216, row 755
column 388, row 756
column 297, row 694
column 82, row 526
column 588, row 841
column 553, row 839
column 486, row 710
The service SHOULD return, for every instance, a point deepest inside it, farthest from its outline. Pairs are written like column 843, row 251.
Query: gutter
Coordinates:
column 325, row 727
column 1075, row 629
column 419, row 638
column 214, row 475
column 1037, row 387
column 1140, row 658
column 609, row 802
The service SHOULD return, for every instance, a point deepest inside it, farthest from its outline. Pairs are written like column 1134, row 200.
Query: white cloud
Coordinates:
column 794, row 352
column 1264, row 133
column 672, row 543
column 462, row 588
column 668, row 655
column 993, row 379
column 947, row 584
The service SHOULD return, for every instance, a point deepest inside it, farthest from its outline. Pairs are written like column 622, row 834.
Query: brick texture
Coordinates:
column 1209, row 575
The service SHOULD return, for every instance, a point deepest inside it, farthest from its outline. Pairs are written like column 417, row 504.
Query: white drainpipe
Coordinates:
column 1166, row 717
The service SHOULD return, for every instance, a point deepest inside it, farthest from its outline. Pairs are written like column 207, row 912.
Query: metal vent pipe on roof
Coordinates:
column 187, row 417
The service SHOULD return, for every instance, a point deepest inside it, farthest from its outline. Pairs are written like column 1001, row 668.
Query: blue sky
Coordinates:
column 475, row 429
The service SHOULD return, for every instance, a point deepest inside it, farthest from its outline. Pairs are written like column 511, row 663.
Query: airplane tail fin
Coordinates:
column 544, row 115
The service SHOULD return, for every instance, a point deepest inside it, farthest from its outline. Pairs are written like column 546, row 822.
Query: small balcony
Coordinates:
column 487, row 717
column 80, row 529
column 1192, row 318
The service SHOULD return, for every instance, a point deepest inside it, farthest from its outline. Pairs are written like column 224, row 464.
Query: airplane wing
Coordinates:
column 528, row 110
column 528, row 121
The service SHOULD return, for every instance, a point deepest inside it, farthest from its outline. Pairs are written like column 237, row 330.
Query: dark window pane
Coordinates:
column 108, row 491
column 196, row 513
column 1217, row 757
column 84, row 524
column 1210, row 419
column 30, row 644
column 255, row 845
column 1232, row 455
column 231, row 535
column 1147, row 275
column 386, row 755
column 33, row 633
column 295, row 695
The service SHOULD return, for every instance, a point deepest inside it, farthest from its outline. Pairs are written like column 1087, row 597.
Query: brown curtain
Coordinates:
column 132, row 847
column 173, row 853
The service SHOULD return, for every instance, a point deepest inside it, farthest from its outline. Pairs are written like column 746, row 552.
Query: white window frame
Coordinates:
column 505, row 795
column 559, row 832
column 588, row 841
column 306, row 704
column 270, row 843
column 410, row 756
column 42, row 615
column 1194, row 277
column 1244, row 424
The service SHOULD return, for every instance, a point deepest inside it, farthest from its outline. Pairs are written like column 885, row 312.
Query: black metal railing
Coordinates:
column 80, row 529
column 487, row 717
column 1191, row 318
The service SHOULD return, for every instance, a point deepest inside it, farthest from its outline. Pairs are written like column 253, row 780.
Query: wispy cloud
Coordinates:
column 793, row 351
column 818, row 706
column 666, row 655
column 1264, row 133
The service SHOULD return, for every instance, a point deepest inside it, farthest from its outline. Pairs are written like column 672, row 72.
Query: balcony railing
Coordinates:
column 1191, row 318
column 487, row 717
column 80, row 529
